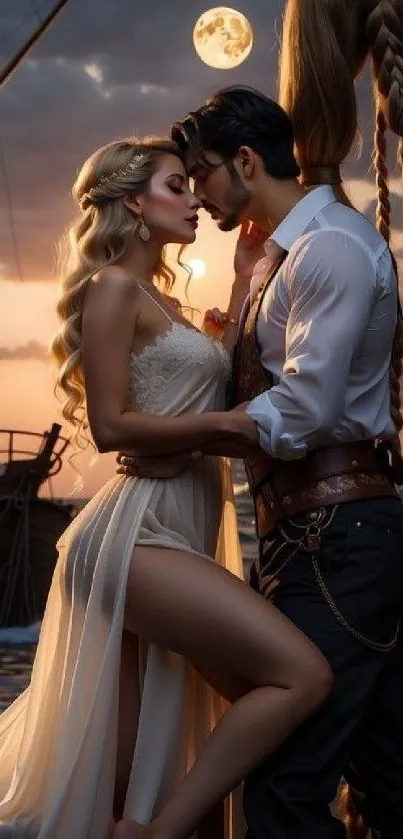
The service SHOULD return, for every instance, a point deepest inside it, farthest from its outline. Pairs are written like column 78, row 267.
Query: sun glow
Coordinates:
column 198, row 268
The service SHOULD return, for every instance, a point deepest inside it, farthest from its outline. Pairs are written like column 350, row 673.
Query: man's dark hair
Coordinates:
column 240, row 116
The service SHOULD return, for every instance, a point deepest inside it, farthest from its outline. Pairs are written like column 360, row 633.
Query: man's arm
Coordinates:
column 331, row 283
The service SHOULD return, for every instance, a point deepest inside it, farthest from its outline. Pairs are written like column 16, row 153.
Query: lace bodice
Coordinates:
column 182, row 370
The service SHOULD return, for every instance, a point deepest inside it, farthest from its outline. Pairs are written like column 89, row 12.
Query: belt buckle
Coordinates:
column 391, row 457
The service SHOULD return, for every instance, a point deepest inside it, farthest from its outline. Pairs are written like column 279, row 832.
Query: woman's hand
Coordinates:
column 214, row 322
column 249, row 249
column 164, row 466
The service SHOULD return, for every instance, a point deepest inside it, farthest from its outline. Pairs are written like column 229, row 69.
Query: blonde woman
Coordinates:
column 143, row 633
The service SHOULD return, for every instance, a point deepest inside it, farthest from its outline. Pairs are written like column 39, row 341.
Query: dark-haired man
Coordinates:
column 313, row 348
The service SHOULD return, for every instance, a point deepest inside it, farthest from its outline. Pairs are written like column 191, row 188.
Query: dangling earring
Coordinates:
column 144, row 232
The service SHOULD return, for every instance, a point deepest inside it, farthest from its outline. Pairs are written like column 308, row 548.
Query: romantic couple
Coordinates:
column 164, row 685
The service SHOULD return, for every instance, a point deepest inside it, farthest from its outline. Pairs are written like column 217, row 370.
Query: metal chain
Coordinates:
column 373, row 645
column 316, row 529
column 300, row 542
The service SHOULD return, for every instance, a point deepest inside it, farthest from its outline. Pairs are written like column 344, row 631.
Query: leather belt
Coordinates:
column 332, row 475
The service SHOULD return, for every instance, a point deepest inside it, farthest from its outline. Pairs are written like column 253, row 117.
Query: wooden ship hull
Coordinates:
column 29, row 527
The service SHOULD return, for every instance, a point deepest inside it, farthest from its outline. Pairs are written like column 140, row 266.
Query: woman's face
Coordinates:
column 169, row 207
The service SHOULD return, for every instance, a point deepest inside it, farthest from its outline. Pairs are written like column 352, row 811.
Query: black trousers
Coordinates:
column 345, row 592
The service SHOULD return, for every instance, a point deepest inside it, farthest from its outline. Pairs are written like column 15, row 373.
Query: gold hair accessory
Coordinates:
column 134, row 164
column 92, row 194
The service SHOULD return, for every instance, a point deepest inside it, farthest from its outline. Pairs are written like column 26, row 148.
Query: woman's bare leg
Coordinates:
column 129, row 707
column 197, row 609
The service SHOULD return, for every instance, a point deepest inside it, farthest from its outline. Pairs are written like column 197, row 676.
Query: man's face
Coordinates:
column 220, row 189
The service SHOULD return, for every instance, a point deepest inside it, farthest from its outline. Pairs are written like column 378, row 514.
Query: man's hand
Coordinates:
column 164, row 466
column 249, row 249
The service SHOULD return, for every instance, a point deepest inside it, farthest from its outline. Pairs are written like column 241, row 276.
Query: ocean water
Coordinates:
column 16, row 659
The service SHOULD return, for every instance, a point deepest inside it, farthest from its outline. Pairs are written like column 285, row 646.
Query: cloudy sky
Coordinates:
column 107, row 68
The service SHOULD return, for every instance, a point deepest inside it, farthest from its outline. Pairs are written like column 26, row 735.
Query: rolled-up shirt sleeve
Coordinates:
column 330, row 280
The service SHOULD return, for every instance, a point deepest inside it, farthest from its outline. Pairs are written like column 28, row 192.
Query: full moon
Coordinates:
column 222, row 38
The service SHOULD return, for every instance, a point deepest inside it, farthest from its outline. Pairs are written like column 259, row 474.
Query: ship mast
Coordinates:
column 5, row 75
column 15, row 61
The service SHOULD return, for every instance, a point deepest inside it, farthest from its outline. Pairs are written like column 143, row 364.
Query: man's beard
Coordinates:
column 237, row 197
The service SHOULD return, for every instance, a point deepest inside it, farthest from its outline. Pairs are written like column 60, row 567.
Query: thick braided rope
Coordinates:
column 382, row 176
column 384, row 32
column 383, row 225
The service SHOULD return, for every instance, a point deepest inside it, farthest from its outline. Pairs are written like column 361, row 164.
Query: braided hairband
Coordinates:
column 106, row 180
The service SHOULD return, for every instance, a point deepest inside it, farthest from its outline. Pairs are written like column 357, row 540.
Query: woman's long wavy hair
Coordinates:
column 99, row 237
column 325, row 44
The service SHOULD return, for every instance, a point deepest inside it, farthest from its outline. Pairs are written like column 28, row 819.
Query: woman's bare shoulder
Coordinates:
column 113, row 279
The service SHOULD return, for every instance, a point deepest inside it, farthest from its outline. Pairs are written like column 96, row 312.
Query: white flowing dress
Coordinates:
column 58, row 739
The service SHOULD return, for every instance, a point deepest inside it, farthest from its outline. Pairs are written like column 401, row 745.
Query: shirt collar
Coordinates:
column 301, row 215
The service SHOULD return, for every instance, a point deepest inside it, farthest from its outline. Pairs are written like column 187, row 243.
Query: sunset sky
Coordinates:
column 108, row 68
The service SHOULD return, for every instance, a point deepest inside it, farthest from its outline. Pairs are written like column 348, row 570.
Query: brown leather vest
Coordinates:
column 250, row 379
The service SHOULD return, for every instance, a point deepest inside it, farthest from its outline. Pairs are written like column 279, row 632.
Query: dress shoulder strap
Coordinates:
column 156, row 303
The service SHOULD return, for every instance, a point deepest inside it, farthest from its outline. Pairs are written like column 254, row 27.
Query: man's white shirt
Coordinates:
column 325, row 330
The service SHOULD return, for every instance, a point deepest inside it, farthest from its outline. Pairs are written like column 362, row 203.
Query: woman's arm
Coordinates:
column 249, row 250
column 149, row 434
column 169, row 466
column 231, row 448
column 110, row 318
column 223, row 326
